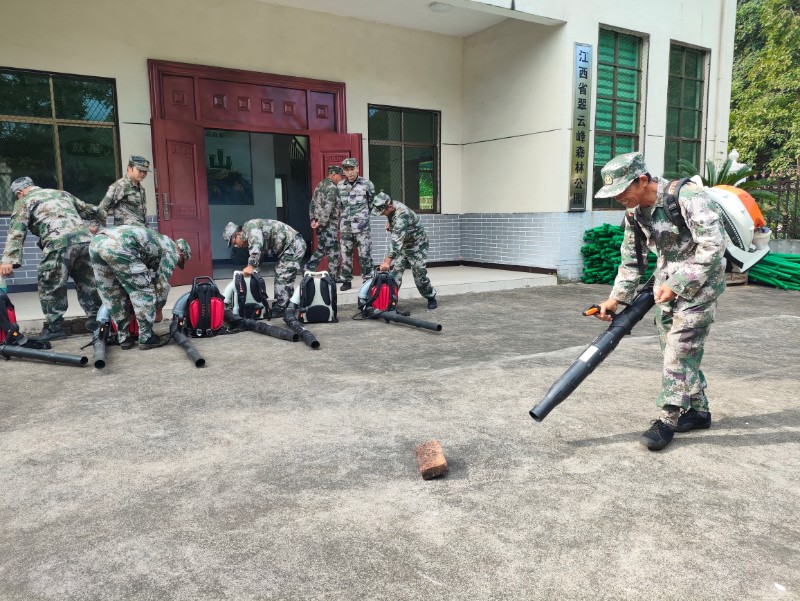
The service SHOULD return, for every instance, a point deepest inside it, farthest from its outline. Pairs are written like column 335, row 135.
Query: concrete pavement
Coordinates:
column 279, row 472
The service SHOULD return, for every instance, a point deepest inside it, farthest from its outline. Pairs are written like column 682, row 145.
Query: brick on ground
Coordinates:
column 431, row 460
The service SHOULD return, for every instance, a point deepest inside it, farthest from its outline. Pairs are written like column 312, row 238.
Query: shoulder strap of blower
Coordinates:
column 240, row 291
column 258, row 288
column 671, row 205
column 672, row 208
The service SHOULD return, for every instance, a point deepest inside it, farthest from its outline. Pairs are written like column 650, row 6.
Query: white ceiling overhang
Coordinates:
column 464, row 18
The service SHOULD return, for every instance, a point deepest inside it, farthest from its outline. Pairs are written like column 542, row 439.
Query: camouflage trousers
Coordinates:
column 286, row 271
column 327, row 246
column 119, row 279
column 351, row 239
column 682, row 335
column 414, row 258
column 55, row 269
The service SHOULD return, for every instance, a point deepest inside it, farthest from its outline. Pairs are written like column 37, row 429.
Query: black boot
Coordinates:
column 346, row 286
column 432, row 304
column 51, row 332
column 693, row 420
column 658, row 435
column 154, row 341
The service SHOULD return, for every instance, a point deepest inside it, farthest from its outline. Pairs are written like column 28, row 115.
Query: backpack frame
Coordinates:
column 383, row 292
column 318, row 298
column 205, row 308
column 257, row 291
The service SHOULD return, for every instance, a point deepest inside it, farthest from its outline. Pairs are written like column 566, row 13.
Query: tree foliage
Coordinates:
column 765, row 99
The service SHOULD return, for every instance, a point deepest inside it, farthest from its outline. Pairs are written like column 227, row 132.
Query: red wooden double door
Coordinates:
column 188, row 99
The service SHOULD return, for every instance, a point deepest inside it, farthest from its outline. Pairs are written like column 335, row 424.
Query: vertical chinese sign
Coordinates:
column 580, row 172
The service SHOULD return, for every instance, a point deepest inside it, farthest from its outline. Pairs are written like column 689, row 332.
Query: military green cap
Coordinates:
column 19, row 184
column 334, row 169
column 184, row 247
column 229, row 231
column 619, row 172
column 141, row 163
column 379, row 202
column 351, row 162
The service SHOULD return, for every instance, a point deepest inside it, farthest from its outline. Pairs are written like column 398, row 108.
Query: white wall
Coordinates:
column 504, row 92
column 111, row 38
column 518, row 86
column 514, row 118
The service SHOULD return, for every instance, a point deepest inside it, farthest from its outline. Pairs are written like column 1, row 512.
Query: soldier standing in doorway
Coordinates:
column 356, row 195
column 325, row 212
column 125, row 200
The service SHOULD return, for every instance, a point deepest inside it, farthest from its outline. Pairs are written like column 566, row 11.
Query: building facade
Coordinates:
column 491, row 118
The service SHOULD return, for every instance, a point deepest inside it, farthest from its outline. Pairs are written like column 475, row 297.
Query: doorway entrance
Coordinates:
column 232, row 145
column 253, row 175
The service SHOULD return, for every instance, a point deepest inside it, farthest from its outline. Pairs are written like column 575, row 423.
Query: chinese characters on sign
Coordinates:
column 580, row 171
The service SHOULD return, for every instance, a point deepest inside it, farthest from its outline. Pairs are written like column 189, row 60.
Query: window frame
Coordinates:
column 55, row 122
column 436, row 146
column 603, row 204
column 705, row 57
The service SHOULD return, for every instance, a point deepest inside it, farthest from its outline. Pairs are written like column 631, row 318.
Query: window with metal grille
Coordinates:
column 60, row 130
column 404, row 155
column 619, row 99
column 684, row 107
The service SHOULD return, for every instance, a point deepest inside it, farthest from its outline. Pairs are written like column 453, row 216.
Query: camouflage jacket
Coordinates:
column 690, row 262
column 266, row 236
column 53, row 215
column 356, row 199
column 133, row 244
column 405, row 229
column 325, row 206
column 126, row 202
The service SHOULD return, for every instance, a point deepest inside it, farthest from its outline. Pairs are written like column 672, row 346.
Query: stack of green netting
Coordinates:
column 779, row 270
column 601, row 256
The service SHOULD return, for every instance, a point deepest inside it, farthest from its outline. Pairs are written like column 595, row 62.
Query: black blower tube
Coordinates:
column 8, row 351
column 186, row 344
column 291, row 320
column 260, row 327
column 622, row 323
column 404, row 319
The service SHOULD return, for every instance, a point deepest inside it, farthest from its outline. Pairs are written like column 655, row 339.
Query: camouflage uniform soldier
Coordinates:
column 689, row 276
column 325, row 211
column 408, row 246
column 125, row 200
column 134, row 262
column 56, row 217
column 264, row 236
column 356, row 195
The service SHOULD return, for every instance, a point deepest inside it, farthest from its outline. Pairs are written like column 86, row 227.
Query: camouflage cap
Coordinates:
column 19, row 184
column 334, row 169
column 229, row 231
column 141, row 163
column 619, row 172
column 351, row 162
column 185, row 249
column 379, row 202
